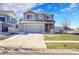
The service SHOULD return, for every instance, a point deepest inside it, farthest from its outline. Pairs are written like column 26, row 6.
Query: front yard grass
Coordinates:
column 61, row 37
column 51, row 45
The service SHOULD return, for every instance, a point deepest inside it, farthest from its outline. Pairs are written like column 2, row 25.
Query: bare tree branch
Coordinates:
column 65, row 24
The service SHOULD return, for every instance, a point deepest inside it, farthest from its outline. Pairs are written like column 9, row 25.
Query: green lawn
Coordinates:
column 57, row 45
column 60, row 37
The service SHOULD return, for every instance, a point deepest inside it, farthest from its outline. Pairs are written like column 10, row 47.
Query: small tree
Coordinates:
column 65, row 24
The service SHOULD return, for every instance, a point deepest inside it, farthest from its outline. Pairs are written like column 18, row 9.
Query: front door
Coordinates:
column 4, row 27
column 46, row 27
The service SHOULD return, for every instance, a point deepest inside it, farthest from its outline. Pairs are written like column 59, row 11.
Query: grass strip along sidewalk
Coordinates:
column 53, row 45
column 60, row 37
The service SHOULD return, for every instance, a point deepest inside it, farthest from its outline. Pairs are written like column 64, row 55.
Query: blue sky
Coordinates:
column 60, row 10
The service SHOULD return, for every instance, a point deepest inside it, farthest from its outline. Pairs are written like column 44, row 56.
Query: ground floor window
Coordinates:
column 2, row 19
column 4, row 27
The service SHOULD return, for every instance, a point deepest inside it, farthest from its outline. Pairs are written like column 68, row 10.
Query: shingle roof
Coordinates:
column 8, row 12
column 39, row 20
column 37, row 12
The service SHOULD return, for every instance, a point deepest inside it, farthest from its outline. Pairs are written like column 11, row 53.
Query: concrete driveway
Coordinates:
column 24, row 41
column 34, row 41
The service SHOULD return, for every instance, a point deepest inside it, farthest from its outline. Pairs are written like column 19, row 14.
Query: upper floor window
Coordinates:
column 49, row 17
column 29, row 16
column 11, row 20
column 2, row 19
column 40, row 16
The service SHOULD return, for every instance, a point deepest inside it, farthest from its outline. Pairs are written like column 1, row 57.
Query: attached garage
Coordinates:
column 34, row 28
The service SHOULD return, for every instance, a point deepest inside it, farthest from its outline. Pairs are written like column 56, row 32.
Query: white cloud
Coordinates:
column 71, row 8
column 55, row 8
column 61, row 4
column 73, row 5
column 40, row 4
column 38, row 10
column 56, row 14
column 19, row 8
column 75, row 14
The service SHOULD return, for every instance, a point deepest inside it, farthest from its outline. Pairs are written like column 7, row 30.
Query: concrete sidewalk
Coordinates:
column 44, row 52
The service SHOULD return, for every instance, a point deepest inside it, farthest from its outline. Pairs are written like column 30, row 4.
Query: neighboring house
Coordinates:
column 7, row 21
column 35, row 22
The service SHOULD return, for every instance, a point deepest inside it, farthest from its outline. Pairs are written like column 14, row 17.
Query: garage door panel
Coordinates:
column 34, row 28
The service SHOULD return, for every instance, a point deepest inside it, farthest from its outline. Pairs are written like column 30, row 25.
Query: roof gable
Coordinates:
column 37, row 13
column 8, row 12
column 29, row 12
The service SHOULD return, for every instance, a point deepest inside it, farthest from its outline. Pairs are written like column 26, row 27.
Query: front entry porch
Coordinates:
column 49, row 28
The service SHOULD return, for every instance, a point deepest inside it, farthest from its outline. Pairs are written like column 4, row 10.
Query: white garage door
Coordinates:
column 33, row 28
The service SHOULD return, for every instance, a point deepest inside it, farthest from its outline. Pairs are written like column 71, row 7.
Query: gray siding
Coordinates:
column 38, row 17
column 10, row 20
column 0, row 27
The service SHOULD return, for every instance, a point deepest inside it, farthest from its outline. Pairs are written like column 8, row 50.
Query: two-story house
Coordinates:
column 35, row 22
column 7, row 21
